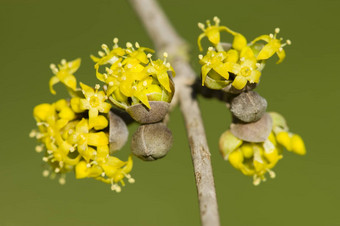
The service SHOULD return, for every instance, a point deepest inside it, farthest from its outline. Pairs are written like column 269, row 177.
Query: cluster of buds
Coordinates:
column 82, row 133
column 255, row 141
column 236, row 67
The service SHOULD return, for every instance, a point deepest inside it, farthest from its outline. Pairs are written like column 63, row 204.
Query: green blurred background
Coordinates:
column 304, row 88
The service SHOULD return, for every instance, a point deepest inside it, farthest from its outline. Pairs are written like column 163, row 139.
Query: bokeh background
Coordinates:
column 304, row 88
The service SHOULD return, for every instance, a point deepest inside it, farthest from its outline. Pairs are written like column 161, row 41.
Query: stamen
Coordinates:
column 272, row 174
column 200, row 56
column 217, row 20
column 137, row 45
column 149, row 55
column 101, row 53
column 110, row 83
column 62, row 180
column 256, row 180
column 103, row 174
column 115, row 41
column 277, row 30
column 129, row 45
column 168, row 65
column 210, row 48
column 45, row 159
column 208, row 23
column 97, row 86
column 63, row 61
column 288, row 42
column 106, row 48
column 50, row 152
column 39, row 148
column 145, row 83
column 61, row 164
column 45, row 173
column 57, row 170
column 165, row 54
column 271, row 35
column 201, row 26
column 134, row 87
column 32, row 134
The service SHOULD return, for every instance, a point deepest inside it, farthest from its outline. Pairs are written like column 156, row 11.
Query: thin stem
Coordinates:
column 166, row 39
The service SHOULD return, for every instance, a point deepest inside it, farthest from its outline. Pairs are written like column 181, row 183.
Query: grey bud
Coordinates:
column 231, row 89
column 253, row 132
column 151, row 141
column 248, row 106
column 143, row 115
column 118, row 132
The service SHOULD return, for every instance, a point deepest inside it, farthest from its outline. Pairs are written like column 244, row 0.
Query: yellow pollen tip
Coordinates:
column 62, row 181
column 52, row 66
column 201, row 26
column 45, row 173
column 110, row 83
column 271, row 35
column 115, row 40
column 104, row 46
column 39, row 148
column 277, row 30
column 128, row 45
column 137, row 45
column 100, row 53
column 149, row 55
column 145, row 83
column 168, row 65
column 57, row 170
column 165, row 54
column 32, row 134
column 288, row 42
column 200, row 56
column 217, row 20
column 131, row 180
column 63, row 61
column 97, row 86
column 210, row 48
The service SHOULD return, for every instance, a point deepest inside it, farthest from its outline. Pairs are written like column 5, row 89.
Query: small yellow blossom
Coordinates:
column 214, row 61
column 95, row 101
column 64, row 74
column 257, row 159
column 273, row 46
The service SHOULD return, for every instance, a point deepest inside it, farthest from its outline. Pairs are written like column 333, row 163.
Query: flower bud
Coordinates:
column 118, row 132
column 253, row 132
column 151, row 141
column 143, row 115
column 248, row 106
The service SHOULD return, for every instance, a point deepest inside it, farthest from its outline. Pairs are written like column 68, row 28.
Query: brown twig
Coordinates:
column 166, row 39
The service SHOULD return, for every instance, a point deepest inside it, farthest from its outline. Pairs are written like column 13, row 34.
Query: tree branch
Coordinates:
column 166, row 39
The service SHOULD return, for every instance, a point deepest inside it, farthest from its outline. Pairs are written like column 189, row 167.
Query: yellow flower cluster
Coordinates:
column 132, row 77
column 74, row 133
column 240, row 63
column 256, row 159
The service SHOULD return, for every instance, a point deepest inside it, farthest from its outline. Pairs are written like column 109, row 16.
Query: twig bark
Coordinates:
column 166, row 39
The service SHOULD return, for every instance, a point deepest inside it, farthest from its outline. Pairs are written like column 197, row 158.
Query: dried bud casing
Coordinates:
column 231, row 89
column 248, row 106
column 143, row 115
column 118, row 132
column 151, row 141
column 255, row 131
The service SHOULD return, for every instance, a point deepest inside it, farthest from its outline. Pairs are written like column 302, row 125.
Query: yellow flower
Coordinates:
column 94, row 101
column 64, row 74
column 245, row 71
column 273, row 46
column 214, row 61
column 137, row 54
column 159, row 69
column 257, row 159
